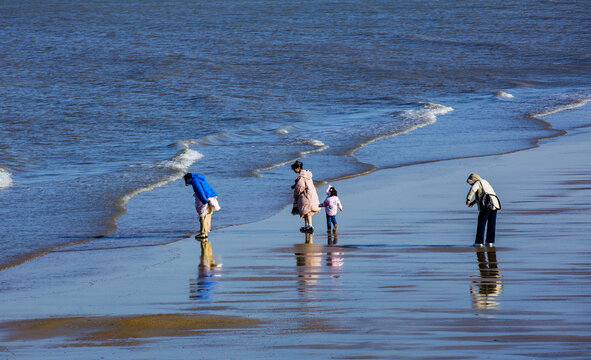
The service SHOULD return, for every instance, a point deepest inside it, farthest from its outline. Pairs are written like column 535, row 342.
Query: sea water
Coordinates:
column 105, row 105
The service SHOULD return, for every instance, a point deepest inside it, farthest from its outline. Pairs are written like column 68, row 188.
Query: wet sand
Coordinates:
column 122, row 330
column 399, row 280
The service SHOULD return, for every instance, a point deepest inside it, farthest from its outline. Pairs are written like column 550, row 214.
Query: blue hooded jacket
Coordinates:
column 201, row 188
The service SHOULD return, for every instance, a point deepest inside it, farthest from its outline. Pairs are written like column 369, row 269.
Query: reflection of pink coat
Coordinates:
column 305, row 194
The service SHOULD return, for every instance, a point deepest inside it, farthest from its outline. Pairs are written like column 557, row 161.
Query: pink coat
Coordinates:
column 305, row 194
column 331, row 204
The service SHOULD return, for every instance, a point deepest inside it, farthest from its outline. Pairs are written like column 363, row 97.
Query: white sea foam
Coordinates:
column 426, row 115
column 503, row 95
column 576, row 104
column 5, row 178
column 415, row 119
column 319, row 145
column 180, row 162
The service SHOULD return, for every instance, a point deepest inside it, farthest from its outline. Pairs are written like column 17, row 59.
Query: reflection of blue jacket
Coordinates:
column 202, row 189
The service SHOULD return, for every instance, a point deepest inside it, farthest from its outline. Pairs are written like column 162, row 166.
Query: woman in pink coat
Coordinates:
column 305, row 196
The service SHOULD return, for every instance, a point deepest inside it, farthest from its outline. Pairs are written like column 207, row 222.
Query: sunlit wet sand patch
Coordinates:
column 121, row 330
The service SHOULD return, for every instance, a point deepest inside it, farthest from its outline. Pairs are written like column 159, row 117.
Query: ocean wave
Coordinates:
column 184, row 143
column 503, row 95
column 414, row 119
column 180, row 163
column 318, row 147
column 281, row 131
column 212, row 139
column 5, row 178
column 571, row 106
column 182, row 160
column 426, row 115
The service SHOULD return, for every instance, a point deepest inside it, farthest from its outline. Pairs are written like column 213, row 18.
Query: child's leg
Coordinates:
column 328, row 222
column 334, row 222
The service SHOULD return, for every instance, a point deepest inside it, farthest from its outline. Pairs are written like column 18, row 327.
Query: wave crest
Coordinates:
column 577, row 104
column 180, row 162
column 5, row 178
column 426, row 115
column 282, row 131
column 503, row 95
column 318, row 147
column 415, row 119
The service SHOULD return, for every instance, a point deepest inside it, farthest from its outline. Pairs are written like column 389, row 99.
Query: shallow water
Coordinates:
column 399, row 280
column 104, row 101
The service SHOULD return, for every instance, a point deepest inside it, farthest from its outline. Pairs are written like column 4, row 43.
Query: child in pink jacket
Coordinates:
column 330, row 205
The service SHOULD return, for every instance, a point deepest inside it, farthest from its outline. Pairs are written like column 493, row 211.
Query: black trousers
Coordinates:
column 486, row 220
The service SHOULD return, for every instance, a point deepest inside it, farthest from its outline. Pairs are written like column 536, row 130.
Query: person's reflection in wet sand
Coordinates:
column 208, row 272
column 489, row 286
column 334, row 257
column 309, row 261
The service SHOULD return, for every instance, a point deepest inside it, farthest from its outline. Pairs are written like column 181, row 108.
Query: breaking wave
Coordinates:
column 180, row 163
column 414, row 119
column 182, row 160
column 577, row 104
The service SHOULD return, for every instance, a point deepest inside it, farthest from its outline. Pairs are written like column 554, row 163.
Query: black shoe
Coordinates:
column 200, row 236
column 307, row 229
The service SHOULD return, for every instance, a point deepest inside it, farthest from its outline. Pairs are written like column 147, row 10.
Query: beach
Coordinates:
column 400, row 279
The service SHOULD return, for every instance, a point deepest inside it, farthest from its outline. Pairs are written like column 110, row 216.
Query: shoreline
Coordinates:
column 124, row 200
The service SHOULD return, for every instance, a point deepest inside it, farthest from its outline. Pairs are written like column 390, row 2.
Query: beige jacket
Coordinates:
column 305, row 194
column 479, row 188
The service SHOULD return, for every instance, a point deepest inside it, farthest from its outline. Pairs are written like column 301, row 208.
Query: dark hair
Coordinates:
column 333, row 191
column 187, row 178
column 297, row 165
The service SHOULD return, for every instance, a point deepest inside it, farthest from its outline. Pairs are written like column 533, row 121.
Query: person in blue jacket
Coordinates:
column 205, row 201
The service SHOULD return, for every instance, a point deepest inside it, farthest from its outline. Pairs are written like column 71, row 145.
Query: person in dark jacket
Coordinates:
column 205, row 201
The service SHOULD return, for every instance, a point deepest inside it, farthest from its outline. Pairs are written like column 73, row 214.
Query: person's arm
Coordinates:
column 339, row 205
column 471, row 194
column 299, row 187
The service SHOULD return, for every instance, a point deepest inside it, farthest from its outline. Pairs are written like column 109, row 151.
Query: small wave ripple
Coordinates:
column 317, row 145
